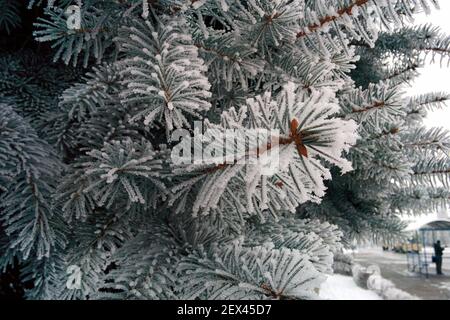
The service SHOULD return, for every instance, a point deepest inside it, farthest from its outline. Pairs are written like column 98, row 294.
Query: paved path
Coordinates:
column 394, row 268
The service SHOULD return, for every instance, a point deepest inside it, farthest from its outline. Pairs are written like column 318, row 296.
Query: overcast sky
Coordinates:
column 434, row 77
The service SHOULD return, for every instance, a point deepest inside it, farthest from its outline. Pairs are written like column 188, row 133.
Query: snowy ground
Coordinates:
column 394, row 268
column 338, row 287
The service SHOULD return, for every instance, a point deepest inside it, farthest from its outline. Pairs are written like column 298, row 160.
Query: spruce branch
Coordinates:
column 327, row 19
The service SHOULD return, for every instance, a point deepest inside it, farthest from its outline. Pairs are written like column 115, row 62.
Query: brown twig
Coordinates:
column 295, row 136
column 327, row 19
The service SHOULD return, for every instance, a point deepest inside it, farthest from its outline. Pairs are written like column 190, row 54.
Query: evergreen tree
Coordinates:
column 93, row 204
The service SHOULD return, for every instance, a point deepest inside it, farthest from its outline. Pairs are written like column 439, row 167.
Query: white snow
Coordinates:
column 445, row 286
column 339, row 287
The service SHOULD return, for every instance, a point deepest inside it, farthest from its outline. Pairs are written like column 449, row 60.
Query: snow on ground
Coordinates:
column 338, row 287
column 444, row 286
column 432, row 288
column 392, row 257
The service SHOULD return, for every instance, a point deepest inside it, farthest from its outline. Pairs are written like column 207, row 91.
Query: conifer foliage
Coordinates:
column 94, row 203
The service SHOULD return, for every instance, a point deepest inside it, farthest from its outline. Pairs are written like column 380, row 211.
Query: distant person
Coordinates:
column 438, row 252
